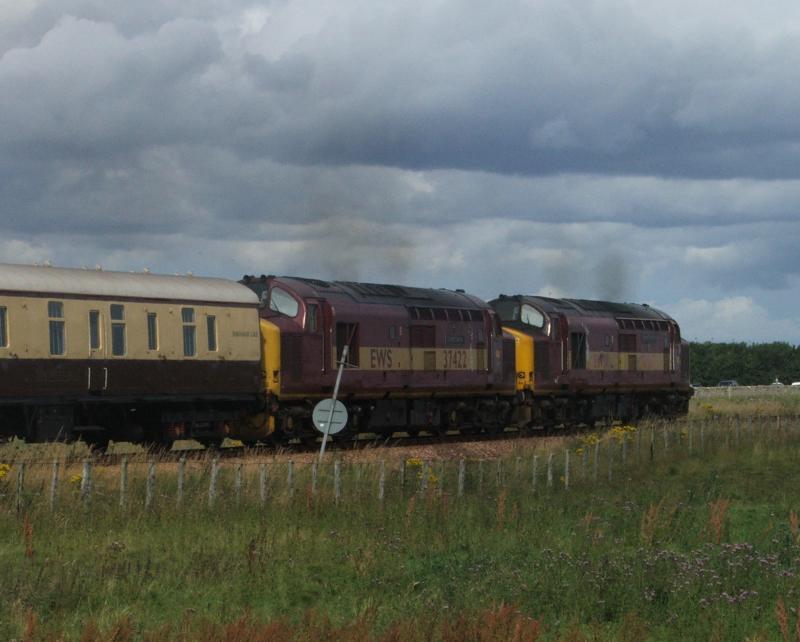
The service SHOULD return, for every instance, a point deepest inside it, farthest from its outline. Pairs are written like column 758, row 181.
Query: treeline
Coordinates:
column 749, row 364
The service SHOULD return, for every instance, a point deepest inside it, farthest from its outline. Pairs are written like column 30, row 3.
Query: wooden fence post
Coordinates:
column 54, row 485
column 499, row 473
column 381, row 480
column 549, row 470
column 337, row 481
column 290, row 479
column 181, row 480
column 480, row 475
column 262, row 483
column 534, row 473
column 462, row 474
column 123, row 481
column 212, row 482
column 151, row 484
column 566, row 469
column 610, row 450
column 86, row 481
column 596, row 462
column 440, row 478
column 238, row 482
column 20, row 484
column 313, row 479
column 423, row 480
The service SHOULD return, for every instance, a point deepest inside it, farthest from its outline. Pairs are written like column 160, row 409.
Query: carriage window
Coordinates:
column 531, row 316
column 55, row 310
column 152, row 331
column 211, row 326
column 94, row 329
column 117, row 312
column 189, row 332
column 283, row 302
column 3, row 328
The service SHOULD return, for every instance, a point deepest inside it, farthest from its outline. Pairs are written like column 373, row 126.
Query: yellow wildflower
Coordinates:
column 74, row 479
column 4, row 468
column 414, row 462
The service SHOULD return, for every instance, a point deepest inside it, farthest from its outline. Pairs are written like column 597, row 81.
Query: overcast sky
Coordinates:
column 638, row 151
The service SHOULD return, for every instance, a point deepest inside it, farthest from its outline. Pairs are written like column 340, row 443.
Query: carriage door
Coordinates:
column 97, row 367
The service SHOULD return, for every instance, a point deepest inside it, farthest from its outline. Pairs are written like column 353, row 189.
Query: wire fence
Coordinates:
column 146, row 483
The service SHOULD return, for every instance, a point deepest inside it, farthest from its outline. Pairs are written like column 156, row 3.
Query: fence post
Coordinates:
column 480, row 475
column 549, row 470
column 290, row 479
column 499, row 474
column 517, row 468
column 403, row 478
column 610, row 450
column 702, row 436
column 440, row 478
column 596, row 462
column 314, row 479
column 689, row 432
column 566, row 469
column 181, row 480
column 212, row 483
column 337, row 481
column 151, row 484
column 462, row 473
column 639, row 445
column 624, row 451
column 54, row 485
column 86, row 481
column 20, row 484
column 652, row 444
column 262, row 483
column 237, row 482
column 534, row 473
column 423, row 480
column 381, row 480
column 123, row 481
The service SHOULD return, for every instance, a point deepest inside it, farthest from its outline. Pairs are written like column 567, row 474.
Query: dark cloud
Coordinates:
column 610, row 149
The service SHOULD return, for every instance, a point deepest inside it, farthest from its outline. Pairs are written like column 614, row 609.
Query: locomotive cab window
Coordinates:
column 531, row 316
column 283, row 302
column 117, row 313
column 55, row 311
column 3, row 327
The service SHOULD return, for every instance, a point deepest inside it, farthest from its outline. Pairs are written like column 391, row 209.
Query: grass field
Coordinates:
column 699, row 540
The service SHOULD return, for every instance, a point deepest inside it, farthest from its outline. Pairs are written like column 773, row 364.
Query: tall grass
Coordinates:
column 693, row 536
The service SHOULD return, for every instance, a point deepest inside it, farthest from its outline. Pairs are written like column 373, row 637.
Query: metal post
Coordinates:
column 333, row 399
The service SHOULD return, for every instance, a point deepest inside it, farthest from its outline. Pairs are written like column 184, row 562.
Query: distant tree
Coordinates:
column 749, row 364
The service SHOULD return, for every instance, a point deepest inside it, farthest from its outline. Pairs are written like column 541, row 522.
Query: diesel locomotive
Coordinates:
column 110, row 355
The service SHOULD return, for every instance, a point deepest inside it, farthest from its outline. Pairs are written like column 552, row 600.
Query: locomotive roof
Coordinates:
column 589, row 307
column 380, row 293
column 138, row 285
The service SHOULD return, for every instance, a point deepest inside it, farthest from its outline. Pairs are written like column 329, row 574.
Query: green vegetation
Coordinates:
column 749, row 364
column 699, row 542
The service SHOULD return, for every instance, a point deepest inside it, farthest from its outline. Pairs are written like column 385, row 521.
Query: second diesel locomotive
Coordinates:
column 104, row 355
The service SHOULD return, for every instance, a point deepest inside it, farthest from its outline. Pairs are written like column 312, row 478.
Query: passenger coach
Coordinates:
column 125, row 355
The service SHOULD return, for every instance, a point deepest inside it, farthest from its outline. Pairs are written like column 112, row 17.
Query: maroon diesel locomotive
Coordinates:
column 580, row 361
column 419, row 359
